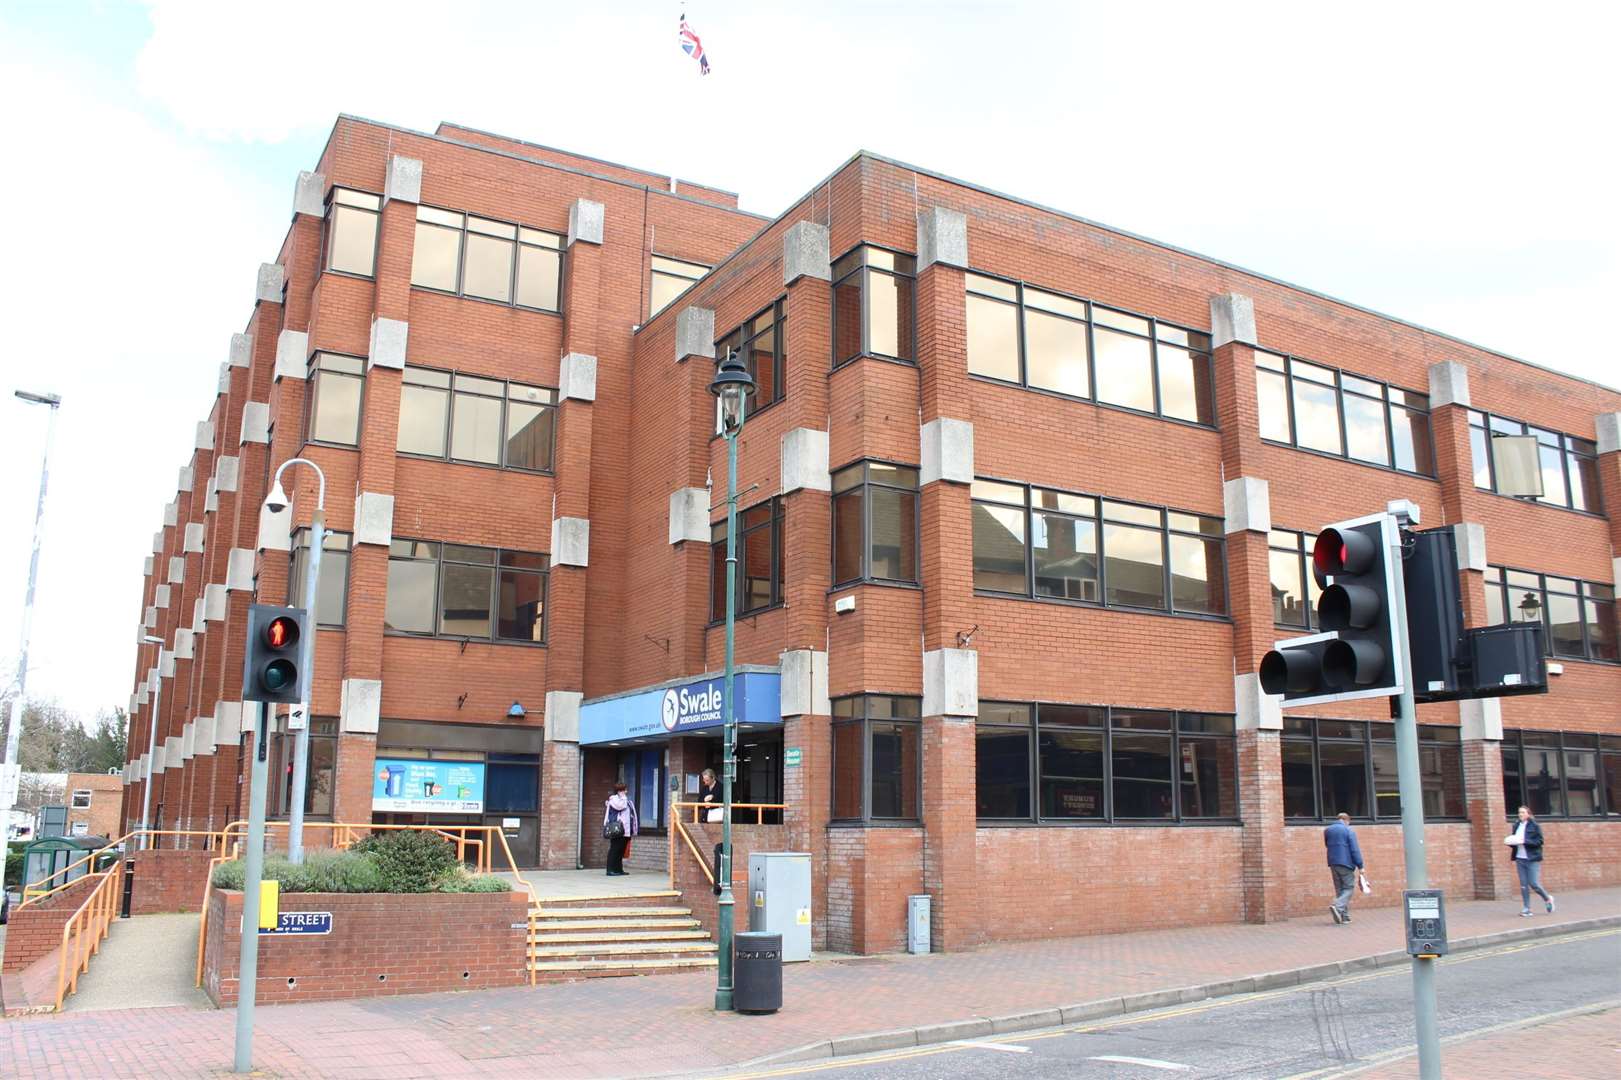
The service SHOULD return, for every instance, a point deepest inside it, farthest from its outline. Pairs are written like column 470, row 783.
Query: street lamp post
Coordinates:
column 151, row 745
column 276, row 502
column 733, row 386
column 11, row 771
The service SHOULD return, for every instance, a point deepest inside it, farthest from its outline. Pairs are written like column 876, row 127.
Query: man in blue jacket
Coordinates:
column 1344, row 860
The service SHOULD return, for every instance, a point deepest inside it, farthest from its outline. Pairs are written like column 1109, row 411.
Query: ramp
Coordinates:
column 147, row 961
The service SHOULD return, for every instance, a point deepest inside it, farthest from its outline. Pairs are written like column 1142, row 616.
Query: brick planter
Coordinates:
column 169, row 880
column 381, row 944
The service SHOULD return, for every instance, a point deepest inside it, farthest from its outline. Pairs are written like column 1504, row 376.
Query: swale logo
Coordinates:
column 672, row 709
column 685, row 707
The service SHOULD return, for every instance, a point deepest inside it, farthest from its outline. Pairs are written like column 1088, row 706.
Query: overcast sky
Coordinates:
column 1454, row 165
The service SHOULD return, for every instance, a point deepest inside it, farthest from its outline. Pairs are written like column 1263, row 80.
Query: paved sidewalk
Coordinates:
column 668, row 1025
column 1578, row 1047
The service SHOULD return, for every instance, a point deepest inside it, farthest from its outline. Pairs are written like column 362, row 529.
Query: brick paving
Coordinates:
column 667, row 1026
column 1575, row 1048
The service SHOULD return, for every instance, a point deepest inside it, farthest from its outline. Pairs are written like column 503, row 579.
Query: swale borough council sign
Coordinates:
column 692, row 706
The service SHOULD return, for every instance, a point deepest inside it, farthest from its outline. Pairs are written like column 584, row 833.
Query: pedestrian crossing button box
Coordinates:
column 1426, row 923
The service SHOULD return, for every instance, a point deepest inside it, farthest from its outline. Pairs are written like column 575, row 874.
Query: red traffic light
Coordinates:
column 281, row 633
column 1336, row 552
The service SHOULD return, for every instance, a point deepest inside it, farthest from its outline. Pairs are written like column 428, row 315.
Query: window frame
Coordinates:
column 1100, row 521
column 654, row 272
column 295, row 585
column 861, row 717
column 518, row 242
column 73, row 799
column 506, row 400
column 1391, row 407
column 778, row 309
column 1367, row 740
column 866, row 576
column 1602, row 748
column 863, row 267
column 1109, row 819
column 316, row 374
column 776, row 524
column 1302, row 553
column 495, row 567
column 329, row 223
column 1153, row 336
column 1485, row 421
column 1583, row 597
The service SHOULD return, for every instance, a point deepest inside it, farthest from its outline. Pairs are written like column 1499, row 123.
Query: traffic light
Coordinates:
column 273, row 670
column 1357, row 654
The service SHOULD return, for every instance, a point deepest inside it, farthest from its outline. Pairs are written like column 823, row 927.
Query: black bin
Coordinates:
column 757, row 973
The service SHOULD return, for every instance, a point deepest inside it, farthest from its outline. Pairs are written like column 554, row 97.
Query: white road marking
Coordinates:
column 1147, row 1063
column 1005, row 1047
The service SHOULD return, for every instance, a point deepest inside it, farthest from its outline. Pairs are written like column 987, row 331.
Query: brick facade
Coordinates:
column 628, row 602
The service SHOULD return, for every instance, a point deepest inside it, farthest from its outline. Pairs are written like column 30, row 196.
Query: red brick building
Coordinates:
column 1024, row 502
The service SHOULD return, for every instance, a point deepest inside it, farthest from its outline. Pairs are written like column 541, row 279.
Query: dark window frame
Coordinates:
column 496, row 569
column 1392, row 408
column 506, row 404
column 317, row 374
column 1570, row 447
column 776, row 523
column 330, row 221
column 1099, row 522
column 654, row 272
column 865, row 484
column 295, row 578
column 1584, row 595
column 1367, row 740
column 1302, row 554
column 323, row 730
column 518, row 243
column 1602, row 747
column 736, row 339
column 860, row 715
column 856, row 263
column 1190, row 344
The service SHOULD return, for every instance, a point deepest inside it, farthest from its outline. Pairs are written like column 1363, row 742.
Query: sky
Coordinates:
column 1449, row 164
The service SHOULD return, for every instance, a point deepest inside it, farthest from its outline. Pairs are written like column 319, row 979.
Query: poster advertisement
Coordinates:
column 426, row 787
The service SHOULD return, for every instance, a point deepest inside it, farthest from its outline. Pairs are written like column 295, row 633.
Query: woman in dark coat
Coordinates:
column 1526, row 843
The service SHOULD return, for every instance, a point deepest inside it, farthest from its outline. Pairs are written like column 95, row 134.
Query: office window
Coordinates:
column 351, row 231
column 759, row 560
column 1568, row 465
column 81, row 798
column 1090, row 763
column 1561, row 773
column 875, row 523
column 333, row 588
column 1294, row 587
column 1335, row 766
column 1611, row 764
column 877, row 758
column 762, row 344
column 488, row 260
column 461, row 591
column 337, row 384
column 873, row 305
column 671, row 278
column 1052, row 544
column 1334, row 412
column 1578, row 617
column 320, row 767
column 472, row 419
column 1048, row 341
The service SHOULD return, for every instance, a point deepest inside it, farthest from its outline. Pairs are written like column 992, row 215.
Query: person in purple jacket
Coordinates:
column 621, row 811
column 1344, row 860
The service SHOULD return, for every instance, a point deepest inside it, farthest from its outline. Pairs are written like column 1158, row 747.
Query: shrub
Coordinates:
column 410, row 860
column 321, row 871
column 14, row 868
column 477, row 883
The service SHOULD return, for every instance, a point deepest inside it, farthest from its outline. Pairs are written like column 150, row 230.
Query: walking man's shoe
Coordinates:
column 1334, row 910
column 1550, row 905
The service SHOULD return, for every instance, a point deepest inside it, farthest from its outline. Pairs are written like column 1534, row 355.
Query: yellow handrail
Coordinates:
column 32, row 891
column 698, row 807
column 87, row 928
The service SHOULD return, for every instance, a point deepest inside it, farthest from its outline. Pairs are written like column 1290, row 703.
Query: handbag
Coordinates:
column 715, row 814
column 1367, row 886
column 613, row 828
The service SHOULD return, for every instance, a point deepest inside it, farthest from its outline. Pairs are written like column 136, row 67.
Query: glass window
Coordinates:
column 333, row 587
column 1294, row 588
column 1600, row 620
column 993, row 328
column 521, row 597
column 1198, row 565
column 999, row 545
column 488, row 254
column 1272, row 393
column 475, row 420
column 1002, row 746
column 413, row 576
column 489, row 260
column 1071, row 764
column 1208, row 775
column 540, row 270
column 1579, row 616
column 465, row 582
column 436, row 251
column 1057, row 356
column 1140, row 751
column 873, row 305
column 759, row 560
column 1410, row 435
column 460, row 591
column 1566, row 464
column 1133, row 564
column 490, row 422
column 1064, row 546
column 671, row 278
column 1612, row 781
column 1299, row 779
column 1366, row 436
column 1316, row 409
column 1582, row 467
column 351, row 244
column 1124, row 367
column 761, row 343
column 1343, row 778
column 336, row 386
column 320, row 768
column 1334, row 412
column 1184, row 384
column 877, row 758
column 424, row 412
column 530, row 427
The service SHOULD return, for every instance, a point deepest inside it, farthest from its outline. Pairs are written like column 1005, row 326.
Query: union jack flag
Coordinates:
column 693, row 47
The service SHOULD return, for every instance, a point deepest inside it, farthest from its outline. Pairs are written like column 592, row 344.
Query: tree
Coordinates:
column 107, row 743
column 55, row 741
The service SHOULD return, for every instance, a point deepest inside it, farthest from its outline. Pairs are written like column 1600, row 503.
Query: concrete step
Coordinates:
column 672, row 922
column 623, row 935
column 608, row 899
column 616, row 949
column 549, row 913
column 562, row 970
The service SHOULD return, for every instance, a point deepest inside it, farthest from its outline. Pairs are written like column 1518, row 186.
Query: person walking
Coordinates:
column 1344, row 862
column 1526, row 844
column 619, row 824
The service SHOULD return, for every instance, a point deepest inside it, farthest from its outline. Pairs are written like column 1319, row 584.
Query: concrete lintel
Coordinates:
column 571, row 541
column 270, row 283
column 585, row 221
column 942, row 237
column 388, row 341
column 150, row 622
column 1449, row 384
column 1481, row 718
column 146, row 566
column 205, row 435
column 202, row 737
column 374, row 518
column 239, row 570
column 224, row 385
column 1256, row 710
column 362, row 706
column 215, row 602
column 160, row 597
column 241, row 354
column 227, row 722
column 275, row 529
column 1608, row 428
column 1247, row 503
column 177, row 569
column 948, row 451
column 806, row 252
column 563, row 715
column 227, row 471
column 404, row 179
column 255, row 423
column 804, row 683
column 950, row 682
column 171, row 514
column 157, row 542
column 292, row 355
column 185, row 645
column 309, row 194
column 166, row 663
column 804, row 461
column 1232, row 318
column 194, row 538
column 689, row 515
column 577, row 380
column 1469, row 538
column 186, row 479
column 694, row 333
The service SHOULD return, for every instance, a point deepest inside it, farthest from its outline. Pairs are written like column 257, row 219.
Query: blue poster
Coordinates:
column 426, row 787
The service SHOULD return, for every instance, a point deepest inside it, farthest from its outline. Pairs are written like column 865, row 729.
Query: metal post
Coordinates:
column 151, row 748
column 723, row 989
column 301, row 750
column 14, row 729
column 1412, row 817
column 254, row 867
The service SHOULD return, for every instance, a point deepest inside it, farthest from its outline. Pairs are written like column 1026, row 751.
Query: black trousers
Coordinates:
column 616, row 853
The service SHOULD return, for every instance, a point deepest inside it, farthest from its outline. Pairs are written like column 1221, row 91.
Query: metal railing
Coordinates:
column 700, row 812
column 86, row 928
column 36, row 890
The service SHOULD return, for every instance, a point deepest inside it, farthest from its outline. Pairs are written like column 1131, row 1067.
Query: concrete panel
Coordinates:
column 188, row 740
column 804, row 683
column 362, row 705
column 160, row 597
column 309, row 194
column 157, row 542
column 1608, row 428
column 805, row 253
column 227, row 472
column 694, row 333
column 185, row 645
column 1449, row 384
column 950, row 682
column 404, row 179
column 214, row 603
column 577, row 380
column 1469, row 538
column 255, row 422
column 585, row 222
column 275, row 529
column 942, row 237
column 1232, row 318
column 270, row 283
column 1247, row 502
column 172, row 751
column 224, row 384
column 211, row 501
column 388, row 341
column 227, row 722
column 199, row 617
column 571, row 541
column 205, row 435
column 804, row 461
column 947, row 451
column 241, row 353
column 292, row 355
column 186, row 480
column 165, row 664
column 177, row 570
column 171, row 515
column 1481, row 718
column 194, row 538
column 689, row 515
column 239, row 570
column 563, row 715
column 146, row 566
column 1256, row 710
column 374, row 518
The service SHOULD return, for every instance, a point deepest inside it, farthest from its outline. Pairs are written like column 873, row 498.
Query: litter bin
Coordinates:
column 757, row 972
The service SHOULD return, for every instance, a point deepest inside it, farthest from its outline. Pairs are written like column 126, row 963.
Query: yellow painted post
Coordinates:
column 269, row 904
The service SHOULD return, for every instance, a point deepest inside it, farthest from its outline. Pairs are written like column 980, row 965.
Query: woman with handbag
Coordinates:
column 619, row 824
column 1526, row 844
column 709, row 794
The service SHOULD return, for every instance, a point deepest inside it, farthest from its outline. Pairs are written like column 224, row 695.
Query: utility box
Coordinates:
column 780, row 900
column 917, row 924
column 1426, row 923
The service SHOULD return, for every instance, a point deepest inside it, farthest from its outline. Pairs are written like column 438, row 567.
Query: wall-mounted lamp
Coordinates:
column 517, row 712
